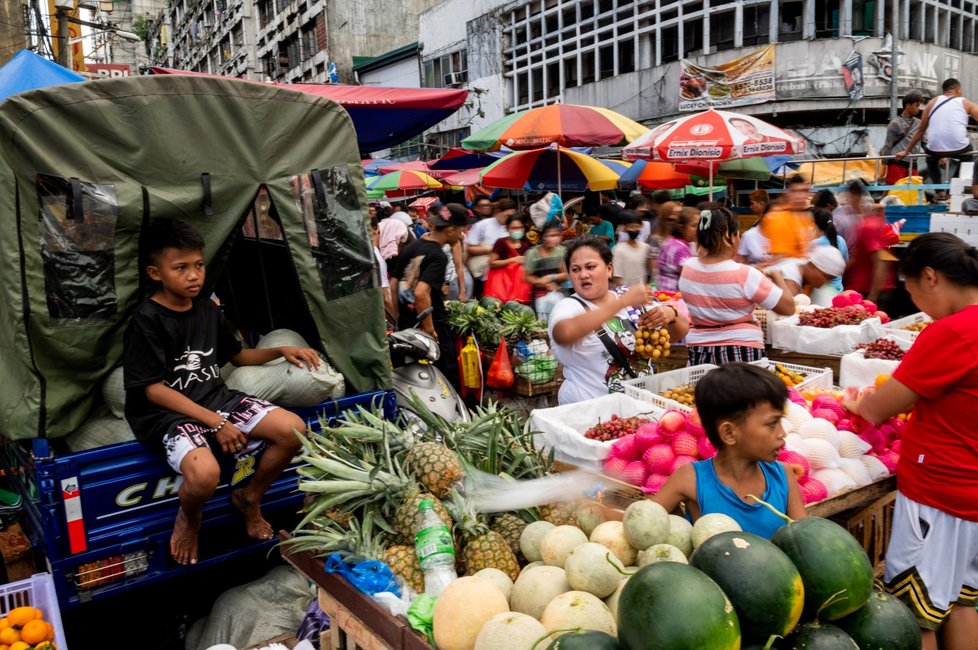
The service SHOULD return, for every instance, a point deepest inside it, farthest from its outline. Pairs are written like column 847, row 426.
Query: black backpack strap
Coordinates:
column 205, row 181
column 610, row 345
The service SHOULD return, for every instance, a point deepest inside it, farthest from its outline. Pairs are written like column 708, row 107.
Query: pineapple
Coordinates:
column 482, row 548
column 437, row 467
column 510, row 526
column 403, row 561
column 559, row 514
column 407, row 519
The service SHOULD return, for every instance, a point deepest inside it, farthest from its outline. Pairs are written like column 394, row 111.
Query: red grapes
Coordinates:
column 881, row 349
column 615, row 428
column 832, row 316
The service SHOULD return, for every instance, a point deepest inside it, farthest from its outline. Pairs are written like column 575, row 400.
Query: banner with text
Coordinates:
column 77, row 57
column 743, row 81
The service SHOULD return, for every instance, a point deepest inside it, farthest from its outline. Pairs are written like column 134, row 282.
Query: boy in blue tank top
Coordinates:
column 741, row 407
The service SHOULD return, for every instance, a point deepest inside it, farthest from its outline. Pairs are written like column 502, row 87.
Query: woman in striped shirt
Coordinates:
column 721, row 294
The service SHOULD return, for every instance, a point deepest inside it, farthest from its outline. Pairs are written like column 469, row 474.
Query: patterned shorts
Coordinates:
column 720, row 355
column 186, row 435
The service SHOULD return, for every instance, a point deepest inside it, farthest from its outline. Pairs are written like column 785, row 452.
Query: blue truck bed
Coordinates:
column 103, row 517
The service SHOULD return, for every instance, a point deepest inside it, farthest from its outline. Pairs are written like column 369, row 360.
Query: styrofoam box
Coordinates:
column 38, row 592
column 957, row 204
column 960, row 186
column 966, row 170
column 962, row 225
column 648, row 388
column 894, row 329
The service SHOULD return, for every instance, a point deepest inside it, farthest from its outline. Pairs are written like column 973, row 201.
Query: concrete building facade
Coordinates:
column 13, row 28
column 626, row 55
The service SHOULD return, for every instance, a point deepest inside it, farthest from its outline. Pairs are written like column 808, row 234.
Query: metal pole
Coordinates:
column 64, row 49
column 894, row 56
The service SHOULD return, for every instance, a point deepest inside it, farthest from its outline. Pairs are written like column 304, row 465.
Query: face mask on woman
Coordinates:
column 633, row 234
column 516, row 235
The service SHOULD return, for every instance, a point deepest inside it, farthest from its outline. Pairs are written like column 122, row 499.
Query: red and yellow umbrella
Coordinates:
column 568, row 125
column 404, row 180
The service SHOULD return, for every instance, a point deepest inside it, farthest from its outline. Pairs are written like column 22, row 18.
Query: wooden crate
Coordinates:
column 871, row 526
column 288, row 640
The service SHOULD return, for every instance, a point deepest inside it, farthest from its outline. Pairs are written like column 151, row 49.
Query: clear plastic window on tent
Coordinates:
column 337, row 230
column 77, row 228
column 260, row 213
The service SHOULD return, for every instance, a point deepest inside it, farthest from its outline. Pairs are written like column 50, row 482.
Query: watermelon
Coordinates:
column 764, row 586
column 517, row 308
column 490, row 304
column 884, row 623
column 819, row 636
column 675, row 606
column 587, row 640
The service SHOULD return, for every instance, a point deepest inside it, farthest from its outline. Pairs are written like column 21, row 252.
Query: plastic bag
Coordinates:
column 501, row 371
column 369, row 576
column 421, row 616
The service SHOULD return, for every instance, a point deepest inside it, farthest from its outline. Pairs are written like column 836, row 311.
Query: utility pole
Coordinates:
column 64, row 49
column 894, row 55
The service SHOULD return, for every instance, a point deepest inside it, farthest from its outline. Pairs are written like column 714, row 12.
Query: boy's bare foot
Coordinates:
column 183, row 542
column 255, row 524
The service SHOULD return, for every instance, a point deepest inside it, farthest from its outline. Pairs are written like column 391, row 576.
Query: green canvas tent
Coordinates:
column 272, row 179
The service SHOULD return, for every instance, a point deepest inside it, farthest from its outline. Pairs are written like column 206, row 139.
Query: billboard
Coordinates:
column 76, row 60
column 746, row 80
column 109, row 70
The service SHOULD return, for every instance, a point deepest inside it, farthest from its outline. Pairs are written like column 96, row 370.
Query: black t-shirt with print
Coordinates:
column 183, row 349
column 423, row 261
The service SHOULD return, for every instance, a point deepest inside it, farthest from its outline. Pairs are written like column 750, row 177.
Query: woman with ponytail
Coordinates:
column 721, row 294
column 932, row 559
column 830, row 237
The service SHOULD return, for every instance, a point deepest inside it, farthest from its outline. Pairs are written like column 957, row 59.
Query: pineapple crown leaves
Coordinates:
column 469, row 522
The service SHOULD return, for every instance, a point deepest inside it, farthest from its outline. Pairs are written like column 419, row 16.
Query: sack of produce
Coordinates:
column 99, row 432
column 862, row 366
column 278, row 338
column 285, row 384
column 538, row 369
column 114, row 393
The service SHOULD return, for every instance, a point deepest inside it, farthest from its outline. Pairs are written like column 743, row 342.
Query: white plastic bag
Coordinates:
column 859, row 372
column 99, row 432
column 787, row 334
column 562, row 427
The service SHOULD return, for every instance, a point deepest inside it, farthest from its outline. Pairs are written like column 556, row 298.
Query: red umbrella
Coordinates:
column 462, row 178
column 662, row 176
column 411, row 165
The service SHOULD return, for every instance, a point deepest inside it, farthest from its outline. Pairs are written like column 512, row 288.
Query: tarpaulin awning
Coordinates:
column 27, row 71
column 383, row 117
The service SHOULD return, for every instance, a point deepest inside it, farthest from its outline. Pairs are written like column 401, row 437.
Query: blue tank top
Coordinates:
column 714, row 496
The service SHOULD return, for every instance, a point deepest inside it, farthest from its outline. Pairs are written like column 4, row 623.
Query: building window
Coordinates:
column 864, row 17
column 757, row 25
column 265, row 13
column 447, row 70
column 670, row 44
column 826, row 19
column 626, row 56
column 722, row 30
column 310, row 45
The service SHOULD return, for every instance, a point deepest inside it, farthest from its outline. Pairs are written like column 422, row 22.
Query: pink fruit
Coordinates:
column 869, row 305
column 672, row 422
column 829, row 403
column 626, row 447
column 883, row 316
column 895, row 447
column 684, row 444
column 658, row 458
column 889, row 432
column 694, row 425
column 654, row 483
column 890, row 459
column 615, row 466
column 859, row 307
column 826, row 414
column 854, row 296
column 813, row 490
column 635, row 473
column 646, row 436
column 794, row 458
column 704, row 448
column 841, row 300
column 679, row 462
column 873, row 436
column 844, row 425
column 796, row 397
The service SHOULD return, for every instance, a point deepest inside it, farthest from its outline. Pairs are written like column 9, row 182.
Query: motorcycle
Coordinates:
column 413, row 355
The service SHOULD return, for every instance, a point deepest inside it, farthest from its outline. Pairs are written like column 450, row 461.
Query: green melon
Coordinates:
column 834, row 568
column 884, row 623
column 490, row 304
column 589, row 640
column 764, row 586
column 818, row 636
column 675, row 606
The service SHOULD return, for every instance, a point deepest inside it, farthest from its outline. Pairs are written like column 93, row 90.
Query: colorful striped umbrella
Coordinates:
column 568, row 125
column 551, row 168
column 404, row 180
column 457, row 158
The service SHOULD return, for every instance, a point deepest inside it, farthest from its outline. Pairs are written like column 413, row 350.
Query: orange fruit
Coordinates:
column 4, row 647
column 20, row 616
column 20, row 645
column 4, row 622
column 880, row 379
column 9, row 635
column 35, row 631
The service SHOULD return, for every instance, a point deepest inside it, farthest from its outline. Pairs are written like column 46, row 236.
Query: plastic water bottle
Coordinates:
column 436, row 550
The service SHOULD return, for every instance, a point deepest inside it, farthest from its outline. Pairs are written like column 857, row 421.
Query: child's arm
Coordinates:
column 302, row 357
column 680, row 488
column 796, row 506
column 230, row 438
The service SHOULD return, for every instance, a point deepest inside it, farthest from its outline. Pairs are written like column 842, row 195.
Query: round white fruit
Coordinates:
column 712, row 524
column 462, row 609
column 645, row 523
column 558, row 543
column 578, row 609
column 612, row 535
column 535, row 588
column 680, row 534
column 510, row 631
column 589, row 514
column 593, row 568
column 612, row 600
column 531, row 537
column 498, row 578
column 661, row 553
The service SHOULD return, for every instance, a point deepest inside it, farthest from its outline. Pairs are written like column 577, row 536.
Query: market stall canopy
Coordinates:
column 27, row 71
column 837, row 172
column 464, row 178
column 457, row 158
column 383, row 117
column 372, row 166
column 750, row 169
column 404, row 180
column 654, row 175
column 551, row 168
column 568, row 125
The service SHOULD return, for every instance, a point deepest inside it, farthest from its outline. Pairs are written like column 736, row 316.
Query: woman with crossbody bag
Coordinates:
column 591, row 333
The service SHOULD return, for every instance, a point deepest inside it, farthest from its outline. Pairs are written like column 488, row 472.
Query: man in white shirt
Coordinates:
column 819, row 267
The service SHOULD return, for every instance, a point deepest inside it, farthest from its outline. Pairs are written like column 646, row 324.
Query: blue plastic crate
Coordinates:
column 917, row 216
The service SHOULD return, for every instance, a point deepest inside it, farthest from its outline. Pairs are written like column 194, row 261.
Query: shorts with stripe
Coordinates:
column 719, row 355
column 932, row 561
column 243, row 411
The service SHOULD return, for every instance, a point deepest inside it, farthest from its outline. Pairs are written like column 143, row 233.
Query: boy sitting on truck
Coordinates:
column 176, row 402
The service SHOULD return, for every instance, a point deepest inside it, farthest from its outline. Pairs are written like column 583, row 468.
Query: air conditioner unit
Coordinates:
column 454, row 79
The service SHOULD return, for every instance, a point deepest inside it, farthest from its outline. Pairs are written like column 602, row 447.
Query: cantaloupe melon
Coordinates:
column 645, row 523
column 462, row 609
column 578, row 609
column 589, row 514
column 661, row 553
column 612, row 600
column 531, row 565
column 593, row 568
column 531, row 537
column 535, row 588
column 498, row 578
column 612, row 535
column 510, row 631
column 712, row 524
column 558, row 543
column 680, row 534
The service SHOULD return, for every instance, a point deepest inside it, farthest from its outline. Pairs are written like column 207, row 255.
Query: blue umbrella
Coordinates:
column 372, row 168
column 458, row 158
column 629, row 178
